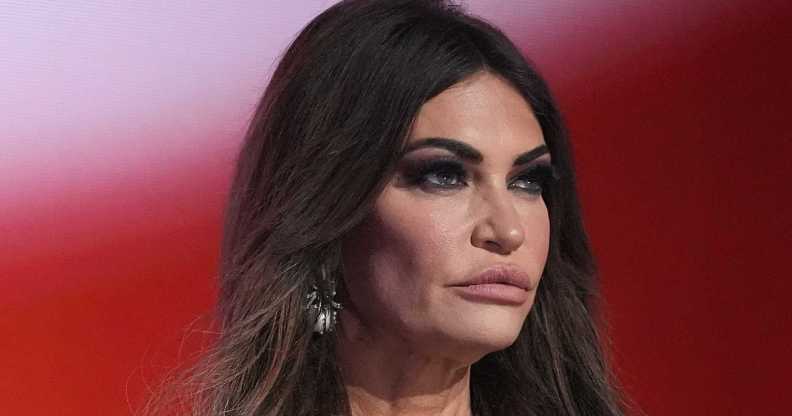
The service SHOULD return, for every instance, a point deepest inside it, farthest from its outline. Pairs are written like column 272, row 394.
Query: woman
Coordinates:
column 403, row 235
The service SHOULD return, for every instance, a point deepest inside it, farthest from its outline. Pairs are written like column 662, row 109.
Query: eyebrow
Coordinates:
column 468, row 152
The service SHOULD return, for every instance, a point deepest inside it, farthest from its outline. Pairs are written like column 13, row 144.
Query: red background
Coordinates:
column 679, row 115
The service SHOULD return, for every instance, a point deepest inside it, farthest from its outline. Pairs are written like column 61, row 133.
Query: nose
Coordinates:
column 500, row 227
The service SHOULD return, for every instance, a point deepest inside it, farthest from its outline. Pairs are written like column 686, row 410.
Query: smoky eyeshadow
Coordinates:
column 542, row 173
column 414, row 170
column 540, row 170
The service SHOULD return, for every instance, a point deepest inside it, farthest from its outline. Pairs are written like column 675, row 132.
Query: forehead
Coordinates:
column 484, row 111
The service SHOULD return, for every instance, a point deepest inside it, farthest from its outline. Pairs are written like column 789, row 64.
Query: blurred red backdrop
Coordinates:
column 120, row 123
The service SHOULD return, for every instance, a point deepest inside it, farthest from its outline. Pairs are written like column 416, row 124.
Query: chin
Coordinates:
column 478, row 333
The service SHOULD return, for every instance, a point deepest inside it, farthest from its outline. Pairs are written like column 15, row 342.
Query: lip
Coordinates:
column 504, row 274
column 501, row 283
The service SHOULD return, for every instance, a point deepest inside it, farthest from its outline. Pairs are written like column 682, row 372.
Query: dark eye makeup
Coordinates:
column 448, row 173
column 443, row 173
column 536, row 179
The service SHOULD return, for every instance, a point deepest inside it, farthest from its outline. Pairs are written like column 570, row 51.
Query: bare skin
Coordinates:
column 408, row 333
column 400, row 382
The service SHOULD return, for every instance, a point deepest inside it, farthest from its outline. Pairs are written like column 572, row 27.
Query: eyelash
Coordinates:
column 541, row 174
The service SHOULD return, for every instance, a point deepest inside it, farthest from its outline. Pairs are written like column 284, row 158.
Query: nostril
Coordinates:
column 497, row 247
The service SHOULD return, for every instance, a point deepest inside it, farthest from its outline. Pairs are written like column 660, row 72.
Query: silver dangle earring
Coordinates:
column 321, row 305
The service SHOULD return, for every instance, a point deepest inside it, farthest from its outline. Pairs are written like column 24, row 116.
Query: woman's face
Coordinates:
column 449, row 261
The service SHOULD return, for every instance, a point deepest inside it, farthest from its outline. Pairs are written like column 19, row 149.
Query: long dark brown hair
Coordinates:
column 323, row 141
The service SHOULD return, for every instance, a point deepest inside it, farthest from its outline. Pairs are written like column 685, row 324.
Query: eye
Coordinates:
column 535, row 179
column 528, row 185
column 439, row 173
column 444, row 178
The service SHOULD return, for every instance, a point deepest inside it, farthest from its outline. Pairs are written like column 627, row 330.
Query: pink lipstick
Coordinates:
column 501, row 283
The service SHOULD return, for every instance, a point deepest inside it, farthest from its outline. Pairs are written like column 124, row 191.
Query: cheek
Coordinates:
column 394, row 255
column 536, row 225
column 539, row 225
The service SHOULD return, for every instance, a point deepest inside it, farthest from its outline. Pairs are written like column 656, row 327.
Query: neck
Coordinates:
column 384, row 376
